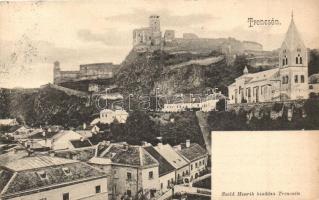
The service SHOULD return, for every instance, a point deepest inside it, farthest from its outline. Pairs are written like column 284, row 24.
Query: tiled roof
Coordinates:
column 14, row 128
column 39, row 135
column 292, row 39
column 171, row 155
column 128, row 155
column 36, row 162
column 164, row 166
column 263, row 76
column 5, row 176
column 83, row 154
column 49, row 172
column 194, row 152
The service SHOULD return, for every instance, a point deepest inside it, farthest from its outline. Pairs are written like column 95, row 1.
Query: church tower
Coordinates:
column 293, row 65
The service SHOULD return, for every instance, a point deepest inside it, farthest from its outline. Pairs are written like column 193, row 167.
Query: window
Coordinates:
column 168, row 183
column 296, row 78
column 302, row 78
column 66, row 171
column 98, row 189
column 283, row 62
column 183, row 173
column 191, row 166
column 150, row 175
column 297, row 60
column 66, row 196
column 196, row 165
column 42, row 175
column 286, row 61
column 129, row 192
column 129, row 176
column 300, row 60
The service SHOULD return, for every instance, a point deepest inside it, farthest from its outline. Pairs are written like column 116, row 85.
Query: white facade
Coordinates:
column 8, row 122
column 197, row 167
column 206, row 104
column 109, row 116
column 166, row 181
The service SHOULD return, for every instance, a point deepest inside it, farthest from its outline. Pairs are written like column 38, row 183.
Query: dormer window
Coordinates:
column 42, row 175
column 66, row 171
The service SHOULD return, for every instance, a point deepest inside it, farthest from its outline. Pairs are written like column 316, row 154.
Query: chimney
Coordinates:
column 160, row 144
column 188, row 143
column 143, row 143
column 178, row 147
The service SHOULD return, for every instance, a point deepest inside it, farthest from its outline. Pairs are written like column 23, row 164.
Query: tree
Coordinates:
column 140, row 127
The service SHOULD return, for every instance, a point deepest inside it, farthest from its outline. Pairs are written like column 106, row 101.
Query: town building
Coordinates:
column 8, row 122
column 196, row 156
column 132, row 171
column 19, row 132
column 204, row 103
column 287, row 82
column 166, row 170
column 179, row 163
column 86, row 72
column 109, row 116
column 57, row 140
column 46, row 178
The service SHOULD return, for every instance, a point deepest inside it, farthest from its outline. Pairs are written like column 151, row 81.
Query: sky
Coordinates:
column 34, row 34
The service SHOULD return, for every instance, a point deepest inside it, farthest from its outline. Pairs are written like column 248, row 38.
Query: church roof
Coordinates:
column 265, row 75
column 292, row 39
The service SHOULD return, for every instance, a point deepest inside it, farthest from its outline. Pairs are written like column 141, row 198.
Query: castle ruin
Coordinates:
column 150, row 39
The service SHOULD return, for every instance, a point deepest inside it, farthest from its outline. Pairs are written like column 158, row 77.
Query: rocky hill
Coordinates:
column 178, row 72
column 46, row 105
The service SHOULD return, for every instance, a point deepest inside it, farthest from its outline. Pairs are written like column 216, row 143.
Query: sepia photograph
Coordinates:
column 121, row 100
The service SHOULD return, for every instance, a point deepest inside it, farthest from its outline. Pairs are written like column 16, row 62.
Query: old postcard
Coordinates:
column 118, row 99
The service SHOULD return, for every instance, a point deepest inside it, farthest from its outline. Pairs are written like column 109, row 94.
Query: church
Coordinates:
column 289, row 81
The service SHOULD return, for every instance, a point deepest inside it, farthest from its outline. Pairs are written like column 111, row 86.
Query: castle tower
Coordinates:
column 56, row 72
column 293, row 65
column 154, row 23
column 155, row 26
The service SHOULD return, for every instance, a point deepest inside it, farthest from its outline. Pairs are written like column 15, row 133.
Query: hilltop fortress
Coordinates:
column 88, row 78
column 150, row 39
